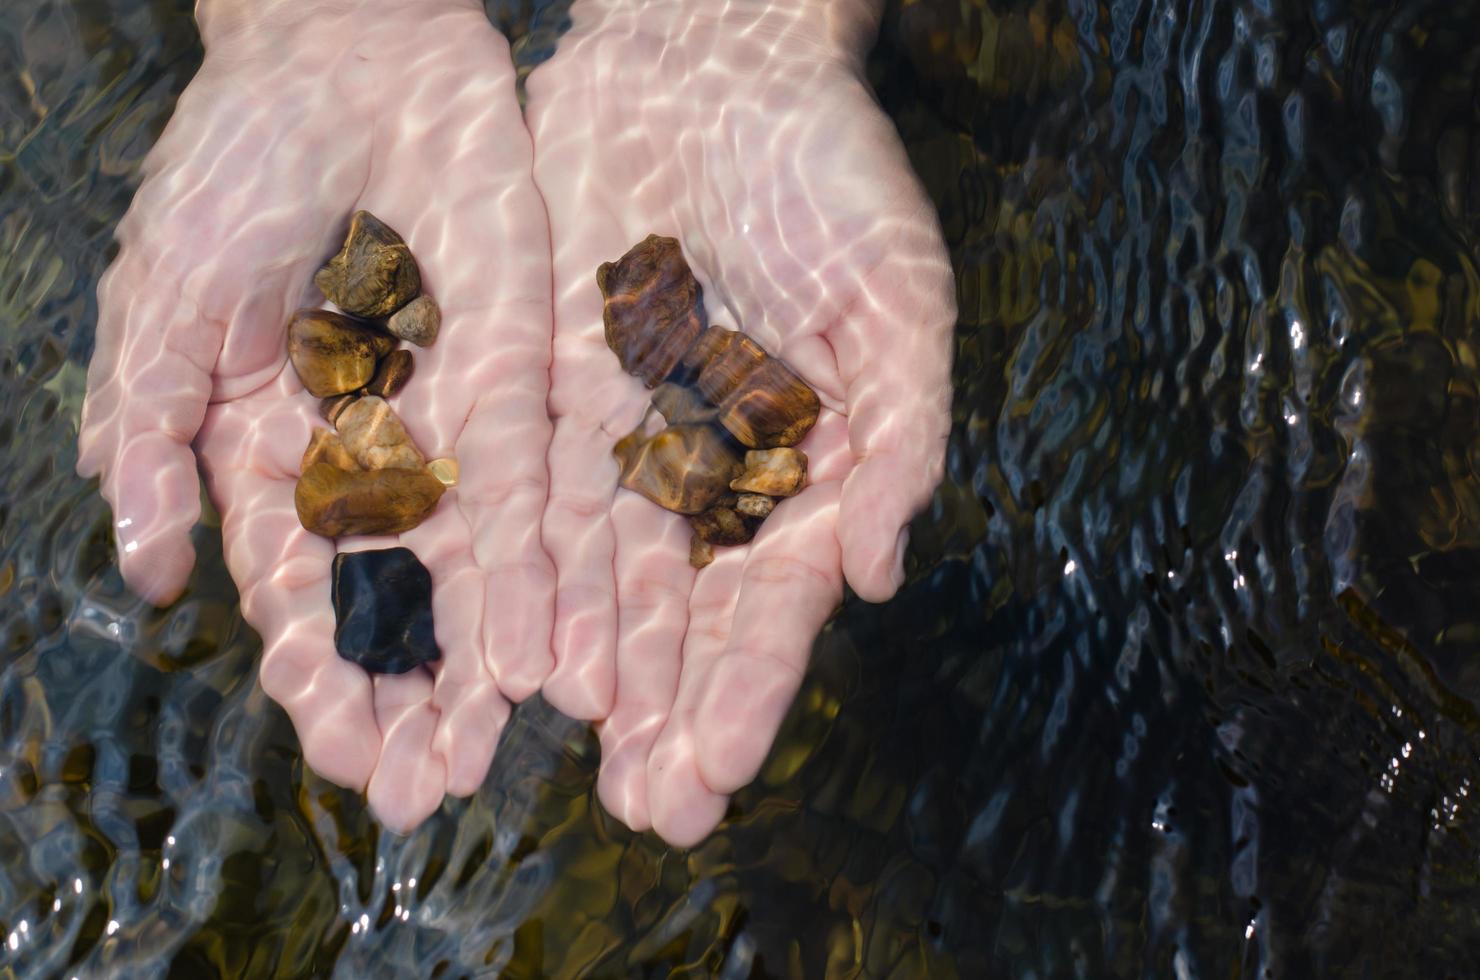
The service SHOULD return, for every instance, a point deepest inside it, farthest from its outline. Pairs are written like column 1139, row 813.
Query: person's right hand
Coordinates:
column 304, row 111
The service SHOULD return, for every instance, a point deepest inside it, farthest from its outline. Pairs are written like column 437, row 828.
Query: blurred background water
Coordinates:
column 1183, row 682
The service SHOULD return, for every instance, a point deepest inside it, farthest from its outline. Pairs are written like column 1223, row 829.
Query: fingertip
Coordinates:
column 621, row 784
column 683, row 808
column 410, row 778
column 157, row 568
column 875, row 572
column 744, row 703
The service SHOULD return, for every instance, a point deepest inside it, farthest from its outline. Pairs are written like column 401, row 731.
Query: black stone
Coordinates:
column 383, row 610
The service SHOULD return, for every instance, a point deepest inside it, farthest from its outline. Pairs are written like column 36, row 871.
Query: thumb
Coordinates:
column 148, row 386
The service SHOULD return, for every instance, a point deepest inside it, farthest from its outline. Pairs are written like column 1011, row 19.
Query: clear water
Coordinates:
column 1183, row 681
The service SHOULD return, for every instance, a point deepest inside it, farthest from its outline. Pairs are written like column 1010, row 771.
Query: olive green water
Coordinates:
column 1184, row 679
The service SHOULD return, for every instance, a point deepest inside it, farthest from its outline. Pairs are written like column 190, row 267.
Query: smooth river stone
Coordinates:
column 374, row 274
column 679, row 404
column 722, row 526
column 376, row 438
column 330, row 407
column 333, row 502
column 683, row 468
column 418, row 322
column 324, row 446
column 773, row 472
column 383, row 610
column 760, row 400
column 392, row 374
column 333, row 353
column 654, row 307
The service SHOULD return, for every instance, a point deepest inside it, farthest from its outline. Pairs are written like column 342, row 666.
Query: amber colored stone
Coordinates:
column 392, row 374
column 683, row 468
column 756, row 505
column 330, row 407
column 324, row 446
column 773, row 408
column 333, row 353
column 375, row 437
column 333, row 502
column 701, row 552
column 723, row 526
column 679, row 404
column 374, row 274
column 445, row 469
column 773, row 472
column 654, row 307
column 419, row 321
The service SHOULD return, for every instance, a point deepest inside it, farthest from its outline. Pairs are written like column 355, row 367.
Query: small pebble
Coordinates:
column 774, row 472
column 383, row 610
column 333, row 353
column 332, row 502
column 680, row 403
column 392, row 374
column 376, row 438
column 374, row 274
column 330, row 407
column 701, row 552
column 756, row 505
column 445, row 469
column 722, row 526
column 418, row 323
column 683, row 468
column 324, row 446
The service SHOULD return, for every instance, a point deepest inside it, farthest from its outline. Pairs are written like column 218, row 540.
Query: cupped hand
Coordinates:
column 304, row 111
column 746, row 131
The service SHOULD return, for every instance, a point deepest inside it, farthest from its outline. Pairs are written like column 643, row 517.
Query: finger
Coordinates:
column 457, row 183
column 410, row 779
column 654, row 580
column 791, row 584
column 682, row 807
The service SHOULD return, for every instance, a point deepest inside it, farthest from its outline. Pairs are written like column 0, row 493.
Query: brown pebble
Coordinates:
column 683, row 468
column 394, row 371
column 333, row 503
column 756, row 505
column 418, row 323
column 330, row 407
column 774, row 472
column 679, row 404
column 701, row 552
column 324, row 446
column 375, row 437
column 333, row 353
column 722, row 526
column 445, row 469
column 374, row 274
column 654, row 307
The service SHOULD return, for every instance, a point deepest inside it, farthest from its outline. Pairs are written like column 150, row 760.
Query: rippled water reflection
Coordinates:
column 1182, row 683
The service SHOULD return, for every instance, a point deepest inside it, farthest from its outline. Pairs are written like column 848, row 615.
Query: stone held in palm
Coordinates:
column 683, row 468
column 333, row 353
column 701, row 552
column 679, row 404
column 374, row 274
column 375, row 437
column 330, row 407
column 383, row 610
column 324, row 446
column 778, row 472
column 333, row 502
column 391, row 376
column 418, row 321
column 760, row 400
column 756, row 505
column 723, row 525
column 654, row 308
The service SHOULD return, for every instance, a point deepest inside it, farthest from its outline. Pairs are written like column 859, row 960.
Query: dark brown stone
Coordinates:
column 654, row 307
column 330, row 407
column 679, row 404
column 723, row 526
column 683, row 468
column 374, row 274
column 333, row 353
column 333, row 502
column 392, row 374
column 701, row 552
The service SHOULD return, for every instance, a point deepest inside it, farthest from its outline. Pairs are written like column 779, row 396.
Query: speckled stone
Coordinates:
column 374, row 274
column 324, row 447
column 418, row 323
column 723, row 526
column 383, row 610
column 375, row 437
column 774, row 472
column 756, row 505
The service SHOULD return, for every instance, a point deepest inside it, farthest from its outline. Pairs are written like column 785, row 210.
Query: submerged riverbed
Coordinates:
column 1183, row 681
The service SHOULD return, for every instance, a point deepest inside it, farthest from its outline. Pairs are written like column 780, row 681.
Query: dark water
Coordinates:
column 1183, row 683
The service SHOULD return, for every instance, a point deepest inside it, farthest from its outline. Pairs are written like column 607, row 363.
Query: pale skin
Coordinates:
column 744, row 130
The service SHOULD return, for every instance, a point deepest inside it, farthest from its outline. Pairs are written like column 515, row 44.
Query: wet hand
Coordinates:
column 745, row 130
column 302, row 113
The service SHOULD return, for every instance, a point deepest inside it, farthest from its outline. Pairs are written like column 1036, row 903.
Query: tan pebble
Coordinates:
column 445, row 469
column 418, row 323
column 333, row 503
column 701, row 552
column 774, row 472
column 333, row 353
column 330, row 407
column 376, row 438
column 723, row 526
column 324, row 446
column 756, row 505
column 683, row 468
column 679, row 404
column 392, row 374
column 374, row 274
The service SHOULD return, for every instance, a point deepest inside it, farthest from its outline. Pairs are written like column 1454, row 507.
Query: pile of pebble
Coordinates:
column 732, row 411
column 366, row 475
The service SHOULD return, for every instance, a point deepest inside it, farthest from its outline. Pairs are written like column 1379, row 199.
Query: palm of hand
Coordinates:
column 409, row 113
column 803, row 222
